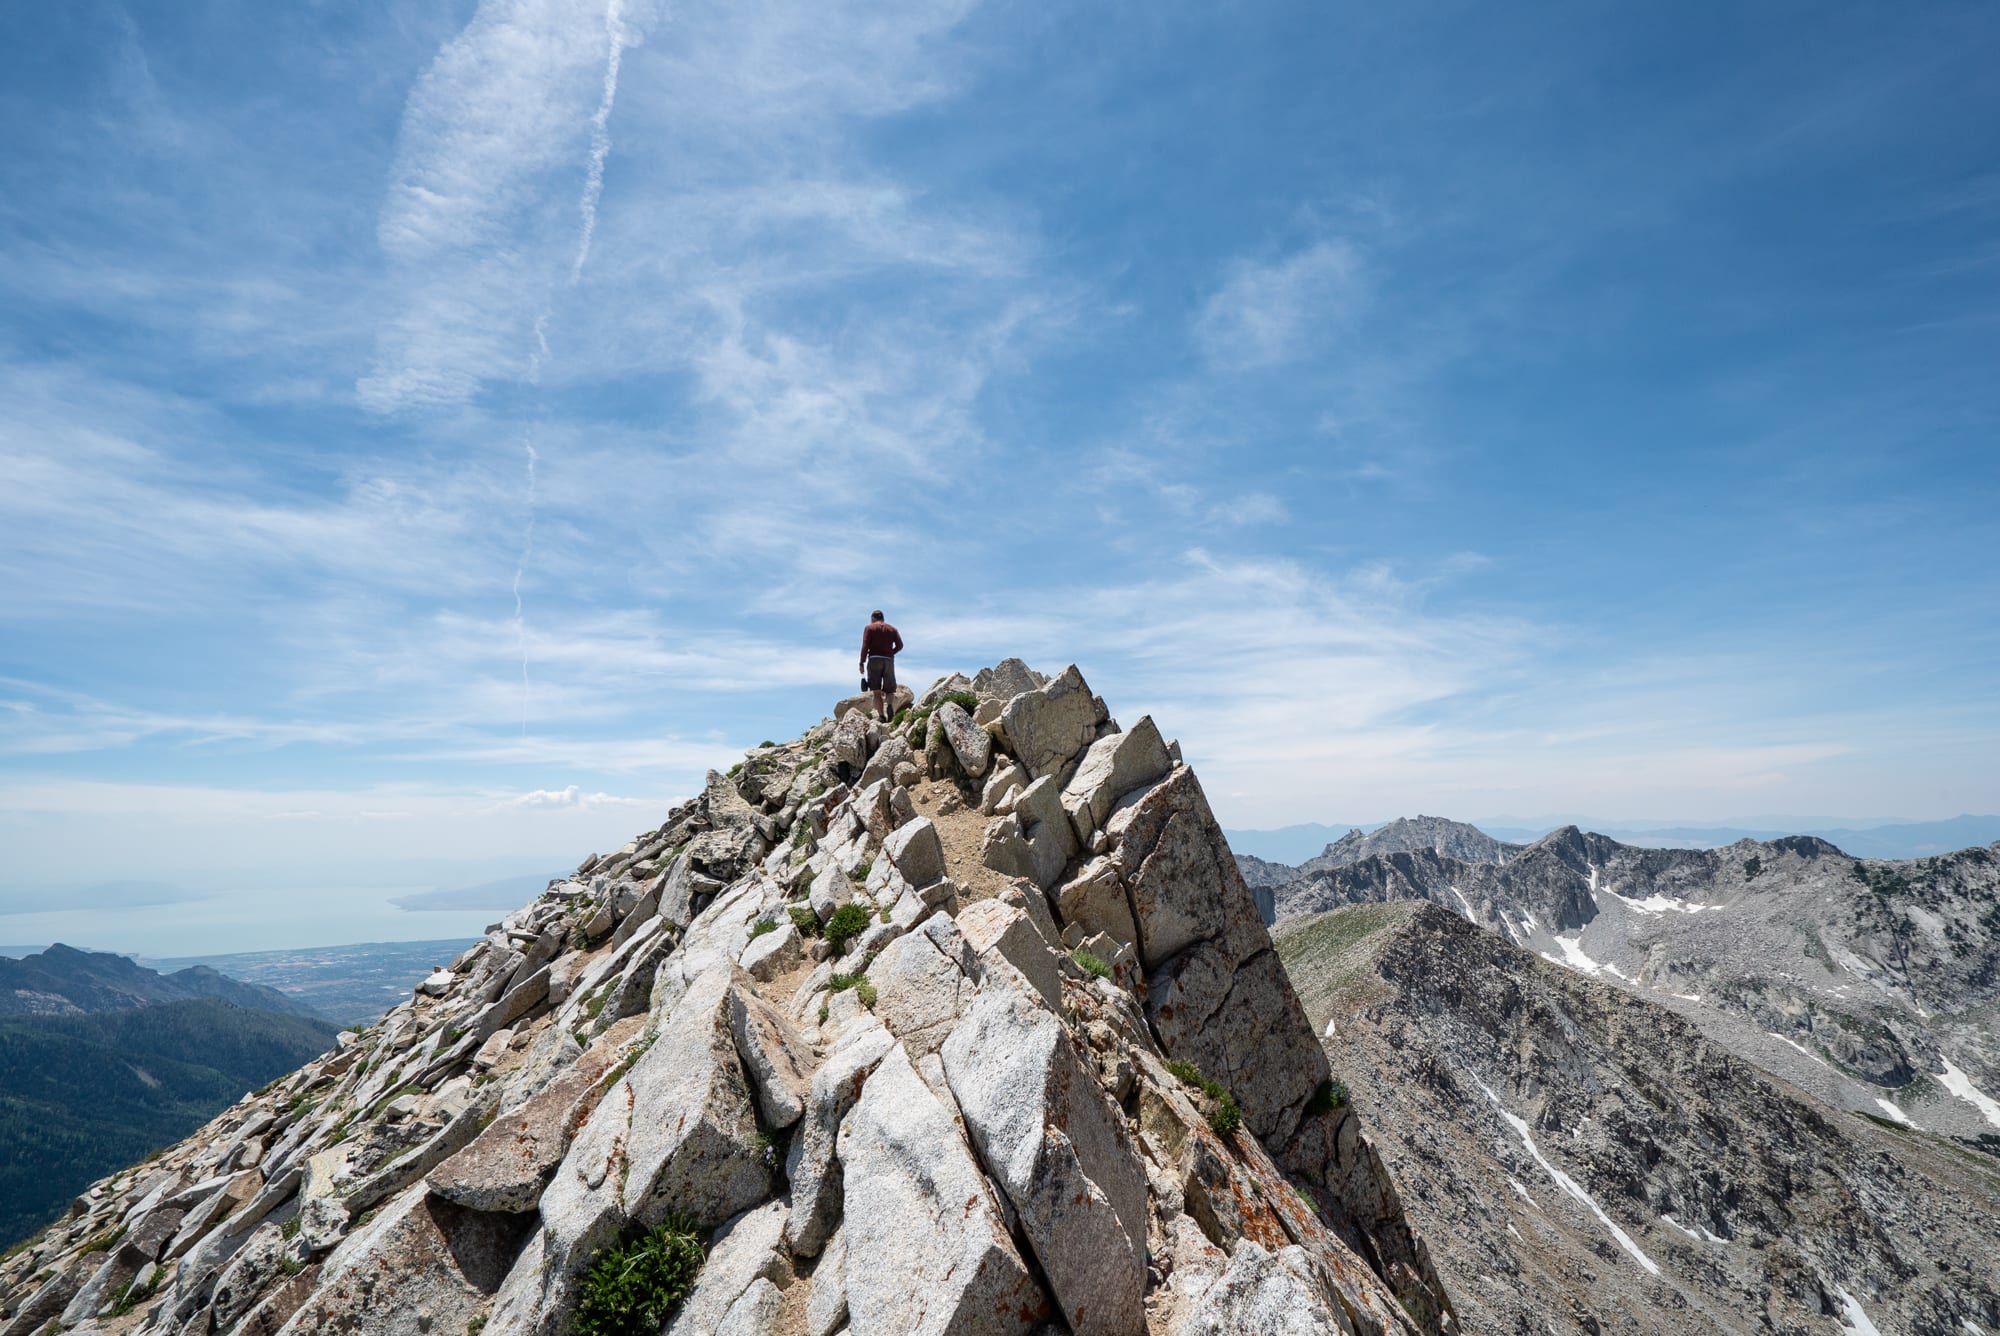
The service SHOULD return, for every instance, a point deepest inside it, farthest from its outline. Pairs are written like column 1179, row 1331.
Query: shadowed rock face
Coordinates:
column 1051, row 1078
column 1580, row 1159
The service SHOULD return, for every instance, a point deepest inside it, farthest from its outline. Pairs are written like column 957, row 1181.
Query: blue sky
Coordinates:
column 430, row 436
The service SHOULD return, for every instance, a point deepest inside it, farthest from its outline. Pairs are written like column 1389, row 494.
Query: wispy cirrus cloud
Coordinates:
column 1271, row 311
column 515, row 106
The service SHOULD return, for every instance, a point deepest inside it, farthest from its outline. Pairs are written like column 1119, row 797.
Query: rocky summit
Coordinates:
column 966, row 1024
column 1452, row 839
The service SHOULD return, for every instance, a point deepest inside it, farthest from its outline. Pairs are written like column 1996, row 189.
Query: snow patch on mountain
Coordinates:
column 1894, row 1113
column 1854, row 1318
column 1959, row 1084
column 1573, row 957
column 1568, row 1184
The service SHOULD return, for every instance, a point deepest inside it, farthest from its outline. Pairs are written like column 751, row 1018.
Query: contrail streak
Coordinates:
column 586, row 207
column 600, row 134
column 541, row 353
column 520, row 570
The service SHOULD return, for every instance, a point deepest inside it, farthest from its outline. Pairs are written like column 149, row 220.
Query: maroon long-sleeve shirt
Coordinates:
column 880, row 638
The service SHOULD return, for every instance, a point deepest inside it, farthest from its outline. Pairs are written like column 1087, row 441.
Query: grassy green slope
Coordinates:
column 1327, row 954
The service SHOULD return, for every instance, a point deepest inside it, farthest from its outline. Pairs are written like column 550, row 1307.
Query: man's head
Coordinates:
column 876, row 616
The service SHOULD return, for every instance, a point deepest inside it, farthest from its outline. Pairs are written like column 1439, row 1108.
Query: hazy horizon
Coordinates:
column 218, row 922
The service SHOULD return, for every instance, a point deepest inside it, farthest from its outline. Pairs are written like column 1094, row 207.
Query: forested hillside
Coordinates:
column 83, row 1094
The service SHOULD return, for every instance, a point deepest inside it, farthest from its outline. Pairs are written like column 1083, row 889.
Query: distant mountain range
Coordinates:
column 1455, row 839
column 103, row 1061
column 63, row 981
column 1865, row 981
column 1636, row 1002
column 1296, row 845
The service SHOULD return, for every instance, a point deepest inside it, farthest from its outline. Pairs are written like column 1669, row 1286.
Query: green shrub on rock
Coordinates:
column 1224, row 1116
column 1332, row 1093
column 848, row 922
column 633, row 1287
column 1092, row 963
column 135, row 1294
column 859, row 983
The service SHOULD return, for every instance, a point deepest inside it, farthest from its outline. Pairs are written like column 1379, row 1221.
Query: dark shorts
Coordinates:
column 882, row 673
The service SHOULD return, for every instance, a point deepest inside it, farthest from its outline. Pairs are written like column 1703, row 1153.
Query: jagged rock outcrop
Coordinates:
column 1049, row 1077
column 1584, row 1160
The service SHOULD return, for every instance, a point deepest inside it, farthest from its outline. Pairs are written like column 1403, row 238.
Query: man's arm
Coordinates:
column 898, row 637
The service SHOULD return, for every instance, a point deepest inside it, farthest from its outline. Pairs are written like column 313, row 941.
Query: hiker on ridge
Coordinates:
column 880, row 643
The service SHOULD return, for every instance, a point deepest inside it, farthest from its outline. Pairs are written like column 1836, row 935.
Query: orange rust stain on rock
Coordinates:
column 1260, row 1223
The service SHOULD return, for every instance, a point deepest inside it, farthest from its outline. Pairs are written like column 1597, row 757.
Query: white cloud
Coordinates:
column 574, row 796
column 1269, row 312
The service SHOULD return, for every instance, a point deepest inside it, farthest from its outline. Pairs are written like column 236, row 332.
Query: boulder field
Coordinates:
column 963, row 1024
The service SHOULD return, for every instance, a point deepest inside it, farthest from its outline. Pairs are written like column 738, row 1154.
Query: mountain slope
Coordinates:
column 80, row 1094
column 1582, row 1160
column 1873, row 984
column 63, row 981
column 967, row 1025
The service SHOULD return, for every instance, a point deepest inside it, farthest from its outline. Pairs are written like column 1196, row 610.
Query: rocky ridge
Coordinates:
column 967, row 1024
column 1585, row 1160
column 1261, row 872
column 1875, row 984
column 1452, row 839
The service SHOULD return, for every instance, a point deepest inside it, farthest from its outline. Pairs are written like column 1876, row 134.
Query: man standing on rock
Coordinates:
column 880, row 643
